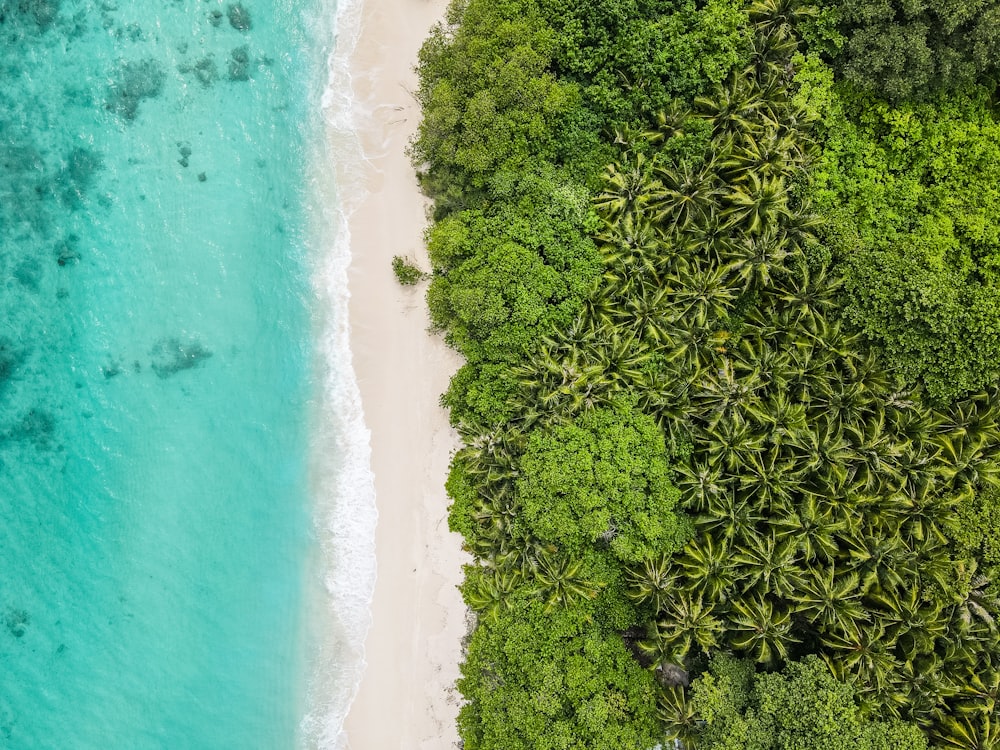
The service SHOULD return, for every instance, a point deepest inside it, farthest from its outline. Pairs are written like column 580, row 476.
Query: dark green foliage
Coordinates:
column 507, row 84
column 913, row 200
column 823, row 494
column 709, row 315
column 632, row 57
column 539, row 680
column 491, row 106
column 905, row 49
column 801, row 708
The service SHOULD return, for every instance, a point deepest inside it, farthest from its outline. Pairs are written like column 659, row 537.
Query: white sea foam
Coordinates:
column 346, row 514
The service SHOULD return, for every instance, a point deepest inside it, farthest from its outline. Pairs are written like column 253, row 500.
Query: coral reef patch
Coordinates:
column 172, row 355
column 135, row 81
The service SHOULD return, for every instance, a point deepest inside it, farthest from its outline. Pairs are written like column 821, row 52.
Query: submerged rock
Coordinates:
column 11, row 357
column 239, row 64
column 206, row 71
column 16, row 621
column 77, row 175
column 66, row 252
column 112, row 369
column 172, row 355
column 184, row 150
column 136, row 80
column 38, row 13
column 37, row 426
column 239, row 17
column 29, row 274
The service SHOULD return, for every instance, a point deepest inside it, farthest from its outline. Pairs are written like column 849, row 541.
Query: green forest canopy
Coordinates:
column 724, row 278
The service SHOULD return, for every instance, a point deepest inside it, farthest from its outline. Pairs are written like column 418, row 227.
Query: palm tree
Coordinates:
column 627, row 186
column 729, row 515
column 967, row 465
column 921, row 688
column 558, row 581
column 677, row 713
column 686, row 621
column 757, row 259
column 690, row 347
column 830, row 601
column 702, row 295
column 768, row 156
column 769, row 565
column 683, row 196
column 487, row 590
column 631, row 243
column 700, row 484
column 861, row 652
column 977, row 603
column 732, row 108
column 762, row 629
column 706, row 566
column 977, row 692
column 757, row 204
column 653, row 581
column 910, row 623
column 880, row 561
column 779, row 16
column 670, row 122
column 731, row 443
column 967, row 733
column 815, row 526
column 771, row 479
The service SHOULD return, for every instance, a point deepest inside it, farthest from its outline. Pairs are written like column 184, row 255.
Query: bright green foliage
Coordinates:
column 502, row 281
column 604, row 476
column 913, row 196
column 978, row 530
column 803, row 707
column 490, row 103
column 906, row 49
column 542, row 681
column 753, row 240
column 480, row 393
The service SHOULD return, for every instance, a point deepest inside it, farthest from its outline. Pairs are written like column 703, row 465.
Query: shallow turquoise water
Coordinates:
column 154, row 373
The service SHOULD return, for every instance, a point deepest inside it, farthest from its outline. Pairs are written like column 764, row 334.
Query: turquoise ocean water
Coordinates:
column 157, row 369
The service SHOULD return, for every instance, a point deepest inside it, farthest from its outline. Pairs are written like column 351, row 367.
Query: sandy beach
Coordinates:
column 407, row 699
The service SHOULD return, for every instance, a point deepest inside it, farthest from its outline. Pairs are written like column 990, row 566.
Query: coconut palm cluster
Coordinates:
column 824, row 492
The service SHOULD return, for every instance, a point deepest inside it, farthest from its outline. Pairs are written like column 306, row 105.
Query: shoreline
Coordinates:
column 407, row 697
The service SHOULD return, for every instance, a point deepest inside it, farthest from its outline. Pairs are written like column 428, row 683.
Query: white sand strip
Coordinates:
column 407, row 699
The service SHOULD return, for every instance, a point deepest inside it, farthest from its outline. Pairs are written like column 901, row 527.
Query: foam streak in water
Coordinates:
column 346, row 511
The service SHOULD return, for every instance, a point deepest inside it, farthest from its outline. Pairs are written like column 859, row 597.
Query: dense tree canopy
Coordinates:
column 803, row 707
column 908, row 49
column 603, row 476
column 538, row 681
column 505, row 280
column 731, row 334
column 912, row 200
